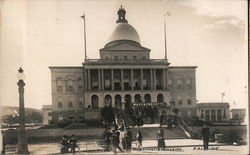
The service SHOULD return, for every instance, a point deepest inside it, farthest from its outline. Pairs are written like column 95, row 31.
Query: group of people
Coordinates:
column 121, row 138
column 68, row 144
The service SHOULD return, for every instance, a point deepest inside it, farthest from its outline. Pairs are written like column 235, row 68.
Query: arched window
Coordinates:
column 118, row 101
column 179, row 83
column 179, row 100
column 69, row 84
column 170, row 83
column 127, row 101
column 59, row 84
column 160, row 98
column 138, row 98
column 80, row 83
column 147, row 98
column 94, row 102
column 108, row 100
column 188, row 83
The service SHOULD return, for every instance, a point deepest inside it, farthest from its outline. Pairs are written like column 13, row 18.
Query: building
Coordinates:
column 238, row 114
column 124, row 77
column 213, row 112
column 47, row 114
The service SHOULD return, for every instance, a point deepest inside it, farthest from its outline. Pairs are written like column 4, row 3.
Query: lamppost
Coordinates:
column 22, row 141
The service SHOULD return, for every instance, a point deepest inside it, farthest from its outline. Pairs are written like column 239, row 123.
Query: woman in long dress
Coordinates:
column 160, row 139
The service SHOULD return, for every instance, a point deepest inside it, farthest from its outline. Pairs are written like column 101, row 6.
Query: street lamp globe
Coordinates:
column 20, row 74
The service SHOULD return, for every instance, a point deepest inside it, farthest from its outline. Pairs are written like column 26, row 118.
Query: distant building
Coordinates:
column 125, row 78
column 213, row 112
column 238, row 114
column 47, row 114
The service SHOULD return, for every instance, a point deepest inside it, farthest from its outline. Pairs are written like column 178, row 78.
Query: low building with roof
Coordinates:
column 213, row 111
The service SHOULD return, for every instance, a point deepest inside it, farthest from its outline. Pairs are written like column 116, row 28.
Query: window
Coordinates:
column 59, row 102
column 170, row 83
column 69, row 85
column 49, row 113
column 179, row 83
column 70, row 105
column 59, row 105
column 107, row 58
column 80, row 102
column 59, row 84
column 179, row 100
column 143, row 57
column 125, row 57
column 80, row 83
column 189, row 101
column 188, row 83
column 116, row 57
column 134, row 57
column 70, row 102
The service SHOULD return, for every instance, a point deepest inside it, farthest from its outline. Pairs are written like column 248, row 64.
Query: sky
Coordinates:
column 209, row 34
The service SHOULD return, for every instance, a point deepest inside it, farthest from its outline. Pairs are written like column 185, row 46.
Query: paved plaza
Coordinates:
column 178, row 146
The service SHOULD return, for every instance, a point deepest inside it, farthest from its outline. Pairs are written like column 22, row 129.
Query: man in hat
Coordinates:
column 205, row 136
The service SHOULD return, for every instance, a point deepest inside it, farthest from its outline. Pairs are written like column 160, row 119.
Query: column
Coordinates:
column 99, row 79
column 89, row 80
column 151, row 79
column 102, row 79
column 222, row 114
column 141, row 79
column 154, row 82
column 113, row 101
column 132, row 79
column 210, row 115
column 164, row 79
column 112, row 79
column 122, row 80
column 85, row 79
column 216, row 115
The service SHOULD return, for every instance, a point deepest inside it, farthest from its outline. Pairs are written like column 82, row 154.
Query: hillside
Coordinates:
column 9, row 115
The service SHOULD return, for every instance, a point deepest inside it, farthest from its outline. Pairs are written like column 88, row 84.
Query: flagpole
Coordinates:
column 165, row 37
column 85, row 44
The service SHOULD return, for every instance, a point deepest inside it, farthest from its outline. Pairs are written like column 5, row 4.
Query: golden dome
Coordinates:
column 124, row 31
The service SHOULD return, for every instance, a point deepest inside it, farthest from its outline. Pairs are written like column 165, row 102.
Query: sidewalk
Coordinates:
column 176, row 146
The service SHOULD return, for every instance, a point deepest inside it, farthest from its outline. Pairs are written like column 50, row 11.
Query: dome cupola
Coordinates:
column 123, row 30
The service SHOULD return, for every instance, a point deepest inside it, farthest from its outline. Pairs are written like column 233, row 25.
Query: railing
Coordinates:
column 187, row 128
column 126, row 61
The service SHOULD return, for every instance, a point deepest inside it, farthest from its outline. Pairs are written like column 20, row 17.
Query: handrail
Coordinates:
column 186, row 127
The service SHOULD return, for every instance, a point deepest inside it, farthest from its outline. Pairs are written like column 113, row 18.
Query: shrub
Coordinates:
column 230, row 136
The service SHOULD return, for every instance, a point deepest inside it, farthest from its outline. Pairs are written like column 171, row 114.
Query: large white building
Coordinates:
column 125, row 78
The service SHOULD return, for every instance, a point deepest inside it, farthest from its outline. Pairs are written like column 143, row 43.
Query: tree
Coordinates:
column 107, row 114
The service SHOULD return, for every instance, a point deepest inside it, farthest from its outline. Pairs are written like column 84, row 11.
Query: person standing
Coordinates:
column 160, row 139
column 64, row 144
column 139, row 139
column 205, row 136
column 128, row 139
column 108, row 134
column 115, row 141
column 73, row 143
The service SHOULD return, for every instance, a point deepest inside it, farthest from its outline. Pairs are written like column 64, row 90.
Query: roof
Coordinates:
column 213, row 105
column 124, row 31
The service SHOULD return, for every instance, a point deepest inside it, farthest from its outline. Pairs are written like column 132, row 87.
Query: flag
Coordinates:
column 83, row 16
column 222, row 94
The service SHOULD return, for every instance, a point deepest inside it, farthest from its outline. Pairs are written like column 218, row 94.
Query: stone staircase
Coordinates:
column 150, row 133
